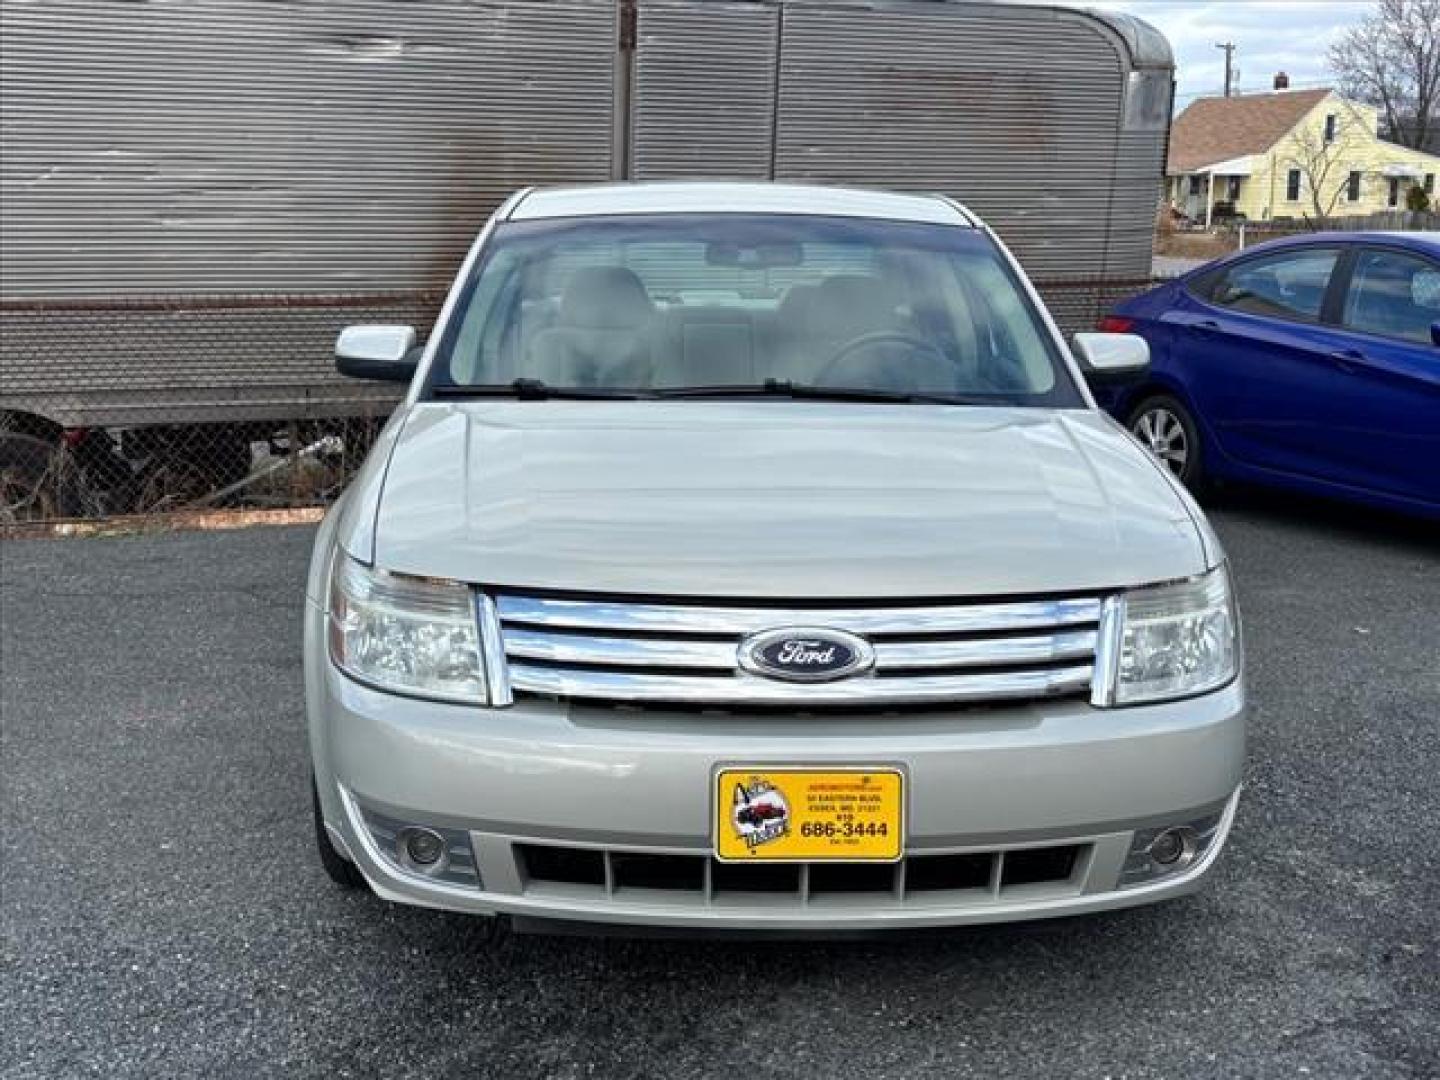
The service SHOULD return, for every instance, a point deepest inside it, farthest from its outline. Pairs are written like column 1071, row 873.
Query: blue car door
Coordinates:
column 1384, row 343
column 1258, row 361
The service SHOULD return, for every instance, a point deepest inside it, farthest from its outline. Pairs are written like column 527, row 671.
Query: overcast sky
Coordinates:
column 1270, row 35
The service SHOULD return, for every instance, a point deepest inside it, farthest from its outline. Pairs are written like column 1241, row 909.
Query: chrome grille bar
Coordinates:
column 701, row 618
column 620, row 651
column 497, row 675
column 984, row 652
column 530, row 644
column 745, row 689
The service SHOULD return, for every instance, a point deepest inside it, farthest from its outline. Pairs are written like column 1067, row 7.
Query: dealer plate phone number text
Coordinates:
column 831, row 830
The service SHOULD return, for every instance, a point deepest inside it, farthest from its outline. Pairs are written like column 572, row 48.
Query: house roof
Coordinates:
column 1219, row 128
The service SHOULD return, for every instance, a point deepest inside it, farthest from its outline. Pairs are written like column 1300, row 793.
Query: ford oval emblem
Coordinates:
column 805, row 654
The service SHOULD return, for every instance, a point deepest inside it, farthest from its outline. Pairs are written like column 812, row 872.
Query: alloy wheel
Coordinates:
column 1163, row 433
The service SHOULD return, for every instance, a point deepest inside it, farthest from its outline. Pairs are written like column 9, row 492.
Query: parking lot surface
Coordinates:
column 164, row 915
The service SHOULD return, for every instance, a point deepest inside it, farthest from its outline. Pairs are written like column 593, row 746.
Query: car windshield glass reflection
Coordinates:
column 690, row 306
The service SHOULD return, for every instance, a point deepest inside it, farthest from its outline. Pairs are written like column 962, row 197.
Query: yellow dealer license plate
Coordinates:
column 809, row 815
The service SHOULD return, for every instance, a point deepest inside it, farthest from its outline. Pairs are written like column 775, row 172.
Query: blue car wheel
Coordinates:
column 1165, row 427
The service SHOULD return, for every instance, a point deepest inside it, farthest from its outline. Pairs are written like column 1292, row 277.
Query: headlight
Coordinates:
column 1170, row 641
column 411, row 635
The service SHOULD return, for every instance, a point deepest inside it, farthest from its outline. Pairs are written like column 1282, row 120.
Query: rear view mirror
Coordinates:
column 754, row 256
column 1112, row 357
column 380, row 352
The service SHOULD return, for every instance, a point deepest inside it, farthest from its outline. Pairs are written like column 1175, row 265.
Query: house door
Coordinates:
column 1194, row 197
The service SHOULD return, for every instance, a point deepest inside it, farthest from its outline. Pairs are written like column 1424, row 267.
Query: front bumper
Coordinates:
column 637, row 782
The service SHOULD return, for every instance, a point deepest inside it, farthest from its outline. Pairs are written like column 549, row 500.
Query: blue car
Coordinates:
column 1309, row 363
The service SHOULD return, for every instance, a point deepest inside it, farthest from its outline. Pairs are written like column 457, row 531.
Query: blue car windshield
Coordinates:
column 658, row 304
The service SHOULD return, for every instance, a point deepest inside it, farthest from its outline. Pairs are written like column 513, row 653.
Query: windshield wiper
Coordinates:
column 809, row 391
column 535, row 390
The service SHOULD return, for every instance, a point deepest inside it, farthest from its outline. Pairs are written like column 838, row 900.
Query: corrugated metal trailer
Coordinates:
column 198, row 193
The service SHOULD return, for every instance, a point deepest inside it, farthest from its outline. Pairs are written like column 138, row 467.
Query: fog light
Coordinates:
column 1171, row 847
column 1162, row 851
column 423, row 847
column 438, row 852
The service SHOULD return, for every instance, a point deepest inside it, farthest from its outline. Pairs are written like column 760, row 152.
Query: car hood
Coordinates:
column 777, row 499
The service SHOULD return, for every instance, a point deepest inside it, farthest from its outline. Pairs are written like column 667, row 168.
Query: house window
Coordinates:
column 1233, row 191
column 1194, row 185
column 1394, row 199
column 1292, row 186
column 1330, row 128
column 1429, row 183
column 1352, row 188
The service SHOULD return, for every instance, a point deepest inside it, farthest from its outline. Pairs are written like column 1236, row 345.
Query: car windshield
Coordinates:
column 709, row 305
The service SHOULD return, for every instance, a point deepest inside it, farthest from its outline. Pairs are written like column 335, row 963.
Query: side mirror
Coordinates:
column 1435, row 332
column 382, row 353
column 1113, row 358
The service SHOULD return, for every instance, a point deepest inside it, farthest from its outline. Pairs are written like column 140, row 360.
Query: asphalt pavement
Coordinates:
column 163, row 913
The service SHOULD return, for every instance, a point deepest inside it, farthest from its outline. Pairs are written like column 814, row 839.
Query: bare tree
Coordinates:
column 1324, row 162
column 1392, row 61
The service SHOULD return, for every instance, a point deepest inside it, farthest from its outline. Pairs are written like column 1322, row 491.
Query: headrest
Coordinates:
column 797, row 301
column 850, row 304
column 605, row 298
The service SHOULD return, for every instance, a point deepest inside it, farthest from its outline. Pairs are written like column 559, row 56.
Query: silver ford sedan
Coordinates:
column 754, row 557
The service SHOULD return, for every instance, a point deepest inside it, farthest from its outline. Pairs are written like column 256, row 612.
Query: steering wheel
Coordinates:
column 871, row 340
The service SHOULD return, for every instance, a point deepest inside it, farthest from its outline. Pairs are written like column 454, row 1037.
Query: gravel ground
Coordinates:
column 163, row 914
column 1169, row 266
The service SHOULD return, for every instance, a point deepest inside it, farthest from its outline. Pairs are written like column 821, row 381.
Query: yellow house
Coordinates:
column 1289, row 154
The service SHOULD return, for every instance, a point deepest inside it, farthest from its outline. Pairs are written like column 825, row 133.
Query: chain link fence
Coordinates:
column 154, row 406
column 149, row 406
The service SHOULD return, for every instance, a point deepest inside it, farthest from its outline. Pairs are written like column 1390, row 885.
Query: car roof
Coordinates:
column 1425, row 241
column 603, row 200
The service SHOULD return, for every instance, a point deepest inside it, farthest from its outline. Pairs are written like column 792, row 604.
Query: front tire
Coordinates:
column 1165, row 427
column 341, row 870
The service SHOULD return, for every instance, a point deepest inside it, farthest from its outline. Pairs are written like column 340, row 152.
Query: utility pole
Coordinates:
column 1229, row 47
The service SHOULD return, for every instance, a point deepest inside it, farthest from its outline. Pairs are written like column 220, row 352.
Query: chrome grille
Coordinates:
column 687, row 652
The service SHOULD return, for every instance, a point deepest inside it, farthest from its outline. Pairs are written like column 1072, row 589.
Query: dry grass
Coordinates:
column 1194, row 245
column 188, row 520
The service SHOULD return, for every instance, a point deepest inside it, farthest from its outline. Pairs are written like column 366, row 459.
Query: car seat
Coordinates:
column 602, row 335
column 846, row 307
